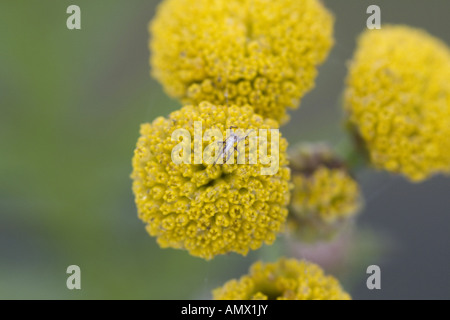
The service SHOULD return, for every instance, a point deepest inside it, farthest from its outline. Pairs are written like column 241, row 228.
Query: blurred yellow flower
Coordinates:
column 287, row 279
column 398, row 100
column 208, row 209
column 325, row 197
column 260, row 52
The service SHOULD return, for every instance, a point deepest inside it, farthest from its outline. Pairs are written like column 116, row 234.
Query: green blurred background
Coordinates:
column 71, row 105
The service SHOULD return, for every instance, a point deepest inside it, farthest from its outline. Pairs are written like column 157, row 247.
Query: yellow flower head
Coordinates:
column 210, row 208
column 398, row 100
column 258, row 52
column 325, row 197
column 287, row 279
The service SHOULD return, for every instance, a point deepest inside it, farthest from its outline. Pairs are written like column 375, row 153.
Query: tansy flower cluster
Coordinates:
column 208, row 209
column 286, row 279
column 398, row 100
column 258, row 52
column 237, row 63
column 324, row 197
column 242, row 64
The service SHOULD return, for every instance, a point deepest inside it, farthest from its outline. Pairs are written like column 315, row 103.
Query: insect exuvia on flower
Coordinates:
column 262, row 146
column 230, row 144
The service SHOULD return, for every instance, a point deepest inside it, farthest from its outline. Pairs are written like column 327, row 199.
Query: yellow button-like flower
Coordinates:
column 260, row 52
column 206, row 206
column 398, row 100
column 287, row 279
column 325, row 196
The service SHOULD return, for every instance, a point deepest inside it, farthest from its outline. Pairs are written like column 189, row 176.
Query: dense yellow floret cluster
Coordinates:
column 287, row 279
column 398, row 100
column 258, row 52
column 325, row 196
column 208, row 209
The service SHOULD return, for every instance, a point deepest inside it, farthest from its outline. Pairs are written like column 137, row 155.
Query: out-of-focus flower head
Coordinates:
column 287, row 279
column 398, row 100
column 325, row 196
column 259, row 52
